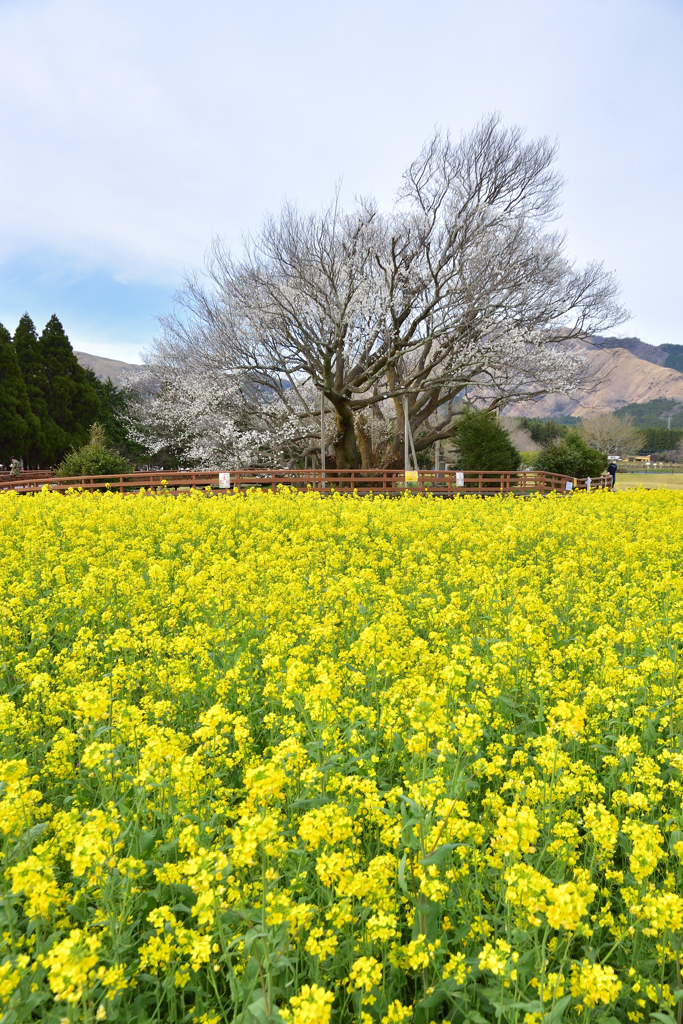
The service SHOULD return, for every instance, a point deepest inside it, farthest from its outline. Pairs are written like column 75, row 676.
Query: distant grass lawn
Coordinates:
column 673, row 481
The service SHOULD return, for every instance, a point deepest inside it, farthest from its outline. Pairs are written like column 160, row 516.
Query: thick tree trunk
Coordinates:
column 364, row 441
column 345, row 445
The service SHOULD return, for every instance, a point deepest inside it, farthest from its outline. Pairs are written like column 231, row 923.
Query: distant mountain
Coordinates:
column 626, row 371
column 103, row 367
column 662, row 355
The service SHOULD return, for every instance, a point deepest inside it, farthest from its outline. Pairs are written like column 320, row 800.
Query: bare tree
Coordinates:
column 460, row 292
column 519, row 435
column 611, row 435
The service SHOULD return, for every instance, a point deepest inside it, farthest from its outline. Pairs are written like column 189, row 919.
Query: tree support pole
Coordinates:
column 406, row 450
column 409, row 445
column 322, row 431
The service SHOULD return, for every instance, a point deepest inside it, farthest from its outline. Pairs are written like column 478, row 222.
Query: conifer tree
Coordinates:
column 95, row 457
column 112, row 416
column 72, row 402
column 17, row 423
column 29, row 355
column 482, row 443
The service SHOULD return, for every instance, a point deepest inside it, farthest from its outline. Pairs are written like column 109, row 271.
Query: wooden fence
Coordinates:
column 26, row 474
column 389, row 482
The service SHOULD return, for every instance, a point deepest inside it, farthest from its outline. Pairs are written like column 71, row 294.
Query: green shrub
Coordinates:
column 482, row 443
column 93, row 459
column 572, row 456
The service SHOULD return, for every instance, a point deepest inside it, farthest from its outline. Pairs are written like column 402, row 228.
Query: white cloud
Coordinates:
column 132, row 131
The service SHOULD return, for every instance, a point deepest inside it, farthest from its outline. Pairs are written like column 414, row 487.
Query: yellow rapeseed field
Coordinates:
column 304, row 759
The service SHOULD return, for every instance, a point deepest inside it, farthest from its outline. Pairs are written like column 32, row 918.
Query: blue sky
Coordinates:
column 133, row 131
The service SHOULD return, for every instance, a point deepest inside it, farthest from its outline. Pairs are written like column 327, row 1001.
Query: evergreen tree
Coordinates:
column 543, row 431
column 17, row 423
column 72, row 402
column 112, row 416
column 93, row 458
column 29, row 355
column 483, row 444
column 571, row 456
column 659, row 439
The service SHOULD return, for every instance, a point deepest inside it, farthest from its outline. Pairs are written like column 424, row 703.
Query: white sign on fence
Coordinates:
column 223, row 479
column 569, row 486
column 459, row 479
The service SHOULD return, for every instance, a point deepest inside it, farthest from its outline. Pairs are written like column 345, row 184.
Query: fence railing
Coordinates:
column 389, row 482
column 27, row 474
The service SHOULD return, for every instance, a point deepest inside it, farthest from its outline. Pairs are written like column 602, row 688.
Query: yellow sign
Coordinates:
column 411, row 476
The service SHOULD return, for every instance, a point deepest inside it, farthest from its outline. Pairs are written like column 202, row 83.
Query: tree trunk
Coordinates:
column 345, row 445
column 364, row 440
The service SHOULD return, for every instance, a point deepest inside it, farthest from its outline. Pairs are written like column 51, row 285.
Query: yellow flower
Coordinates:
column 10, row 976
column 569, row 720
column 35, row 879
column 281, row 732
column 594, row 984
column 627, row 745
column 495, row 958
column 321, row 943
column 71, row 965
column 517, row 832
column 647, row 850
column 328, row 824
column 397, row 1013
column 455, row 967
column 18, row 801
column 365, row 972
column 312, row 1005
column 602, row 826
column 664, row 913
column 568, row 904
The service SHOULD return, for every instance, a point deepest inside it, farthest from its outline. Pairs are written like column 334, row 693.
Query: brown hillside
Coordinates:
column 621, row 378
column 103, row 367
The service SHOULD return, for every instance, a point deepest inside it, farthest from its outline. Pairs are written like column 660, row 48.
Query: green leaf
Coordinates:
column 426, row 920
column 439, row 854
column 79, row 913
column 435, row 998
column 145, row 842
column 412, row 805
column 555, row 1014
column 257, row 1011
column 402, row 873
column 26, row 840
column 533, row 1007
column 675, row 837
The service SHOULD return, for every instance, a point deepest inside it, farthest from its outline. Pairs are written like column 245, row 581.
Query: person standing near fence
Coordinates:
column 15, row 468
column 612, row 470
